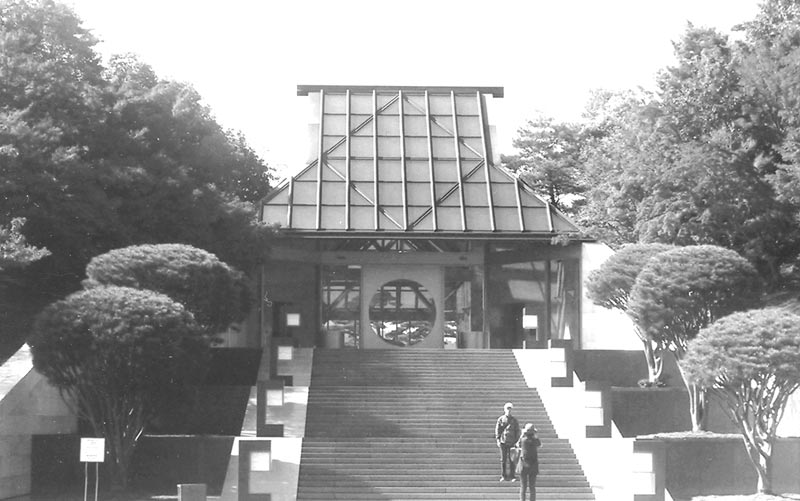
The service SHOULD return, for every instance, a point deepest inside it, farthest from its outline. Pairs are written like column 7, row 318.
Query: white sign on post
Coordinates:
column 93, row 450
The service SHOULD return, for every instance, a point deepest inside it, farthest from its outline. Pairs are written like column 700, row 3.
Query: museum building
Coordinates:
column 403, row 231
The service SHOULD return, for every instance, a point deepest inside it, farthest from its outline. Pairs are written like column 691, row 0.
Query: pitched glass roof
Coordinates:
column 410, row 160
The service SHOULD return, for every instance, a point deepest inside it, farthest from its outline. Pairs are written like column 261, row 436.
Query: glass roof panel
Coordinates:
column 507, row 218
column 389, row 170
column 413, row 174
column 362, row 193
column 361, row 125
column 333, row 193
column 418, row 170
column 361, row 170
column 449, row 218
column 535, row 219
column 467, row 104
column 335, row 103
column 415, row 213
column 440, row 104
column 390, row 193
column 475, row 195
column 333, row 218
column 304, row 217
column 360, row 103
column 386, row 97
column 478, row 219
column 305, row 192
column 362, row 217
column 419, row 194
column 275, row 214
column 415, row 104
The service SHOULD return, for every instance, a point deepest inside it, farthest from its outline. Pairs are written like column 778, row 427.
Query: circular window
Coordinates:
column 402, row 312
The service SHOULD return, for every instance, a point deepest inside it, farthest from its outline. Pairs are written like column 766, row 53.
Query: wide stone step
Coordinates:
column 424, row 458
column 432, row 486
column 310, row 444
column 438, row 484
column 419, row 425
column 506, row 492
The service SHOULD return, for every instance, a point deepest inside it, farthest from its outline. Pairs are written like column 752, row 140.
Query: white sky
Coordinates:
column 246, row 57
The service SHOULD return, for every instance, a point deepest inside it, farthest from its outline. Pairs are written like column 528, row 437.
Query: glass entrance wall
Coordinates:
column 513, row 296
column 564, row 299
column 463, row 313
column 524, row 292
column 341, row 305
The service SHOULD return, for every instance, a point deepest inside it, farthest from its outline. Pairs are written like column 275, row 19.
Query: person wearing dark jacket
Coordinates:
column 506, row 431
column 529, row 461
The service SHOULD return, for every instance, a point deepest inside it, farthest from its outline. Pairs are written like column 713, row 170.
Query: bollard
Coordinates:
column 192, row 492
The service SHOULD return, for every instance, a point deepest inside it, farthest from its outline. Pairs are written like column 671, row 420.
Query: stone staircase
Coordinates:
column 419, row 424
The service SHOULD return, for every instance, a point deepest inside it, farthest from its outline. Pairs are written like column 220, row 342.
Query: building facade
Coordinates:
column 404, row 232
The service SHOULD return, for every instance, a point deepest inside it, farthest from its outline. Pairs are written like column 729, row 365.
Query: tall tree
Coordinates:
column 681, row 291
column 618, row 160
column 700, row 93
column 549, row 160
column 610, row 287
column 750, row 362
column 771, row 79
column 710, row 195
column 97, row 158
column 113, row 352
column 162, row 301
column 693, row 164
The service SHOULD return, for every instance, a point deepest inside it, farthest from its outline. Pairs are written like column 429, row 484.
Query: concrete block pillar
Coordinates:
column 649, row 470
column 255, row 470
column 562, row 362
column 598, row 409
column 192, row 492
column 270, row 393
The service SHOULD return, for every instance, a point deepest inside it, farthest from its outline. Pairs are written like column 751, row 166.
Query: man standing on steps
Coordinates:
column 507, row 433
column 529, row 460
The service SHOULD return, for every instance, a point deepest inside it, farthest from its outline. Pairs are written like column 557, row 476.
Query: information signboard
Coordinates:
column 93, row 450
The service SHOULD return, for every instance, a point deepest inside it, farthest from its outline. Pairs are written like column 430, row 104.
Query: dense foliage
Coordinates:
column 549, row 160
column 750, row 361
column 14, row 249
column 100, row 156
column 115, row 352
column 214, row 292
column 610, row 287
column 680, row 291
column 711, row 156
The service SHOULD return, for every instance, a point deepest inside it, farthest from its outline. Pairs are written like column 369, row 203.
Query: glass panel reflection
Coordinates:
column 341, row 302
column 402, row 312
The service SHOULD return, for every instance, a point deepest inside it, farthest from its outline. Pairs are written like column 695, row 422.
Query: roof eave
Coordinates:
column 476, row 235
column 304, row 90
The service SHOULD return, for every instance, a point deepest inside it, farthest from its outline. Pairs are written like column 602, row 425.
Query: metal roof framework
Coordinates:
column 407, row 161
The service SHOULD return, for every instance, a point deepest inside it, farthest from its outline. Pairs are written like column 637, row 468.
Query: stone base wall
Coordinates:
column 28, row 406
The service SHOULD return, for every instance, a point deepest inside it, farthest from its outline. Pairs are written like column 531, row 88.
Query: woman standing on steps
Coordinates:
column 506, row 431
column 528, row 461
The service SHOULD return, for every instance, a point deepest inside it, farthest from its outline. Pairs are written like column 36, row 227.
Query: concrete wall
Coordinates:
column 721, row 466
column 601, row 328
column 28, row 406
